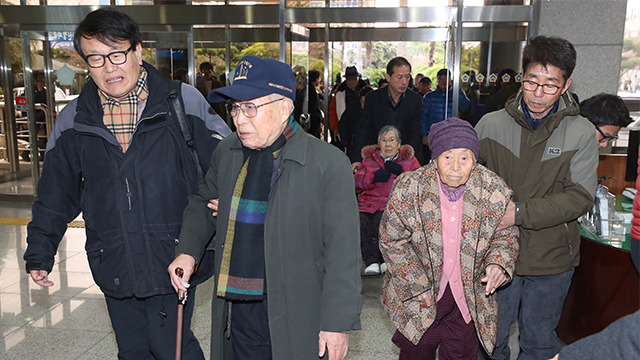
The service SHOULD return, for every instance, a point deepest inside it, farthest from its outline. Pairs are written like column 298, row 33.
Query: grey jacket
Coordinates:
column 552, row 172
column 312, row 248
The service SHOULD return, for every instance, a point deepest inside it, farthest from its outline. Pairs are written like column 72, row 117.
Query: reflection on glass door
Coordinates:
column 168, row 52
column 45, row 73
column 490, row 66
column 299, row 61
column 10, row 73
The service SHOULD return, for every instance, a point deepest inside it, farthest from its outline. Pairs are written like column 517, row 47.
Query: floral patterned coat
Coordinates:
column 411, row 244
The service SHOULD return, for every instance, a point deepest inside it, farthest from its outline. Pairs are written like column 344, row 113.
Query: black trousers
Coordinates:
column 145, row 328
column 250, row 334
column 369, row 246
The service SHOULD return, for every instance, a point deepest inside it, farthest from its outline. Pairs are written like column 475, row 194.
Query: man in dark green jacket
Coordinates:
column 287, row 249
column 546, row 152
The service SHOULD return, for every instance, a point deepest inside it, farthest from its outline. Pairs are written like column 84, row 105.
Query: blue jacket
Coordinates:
column 433, row 108
column 131, row 202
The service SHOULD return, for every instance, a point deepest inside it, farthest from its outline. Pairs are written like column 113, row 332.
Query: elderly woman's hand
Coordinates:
column 381, row 175
column 494, row 277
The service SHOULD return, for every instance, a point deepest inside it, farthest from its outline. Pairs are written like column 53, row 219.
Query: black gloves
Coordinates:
column 381, row 175
column 393, row 167
column 390, row 167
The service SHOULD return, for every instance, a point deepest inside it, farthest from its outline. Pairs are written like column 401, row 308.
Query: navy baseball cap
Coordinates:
column 255, row 77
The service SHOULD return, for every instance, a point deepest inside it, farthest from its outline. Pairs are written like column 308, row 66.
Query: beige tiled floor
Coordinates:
column 65, row 321
column 17, row 187
column 69, row 320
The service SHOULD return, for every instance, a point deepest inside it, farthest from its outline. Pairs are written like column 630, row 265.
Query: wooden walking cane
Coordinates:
column 182, row 299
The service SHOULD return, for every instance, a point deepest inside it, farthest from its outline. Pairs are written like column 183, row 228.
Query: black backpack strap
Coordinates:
column 175, row 97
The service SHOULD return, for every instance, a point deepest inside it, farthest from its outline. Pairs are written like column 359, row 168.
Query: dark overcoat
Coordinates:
column 312, row 246
column 378, row 112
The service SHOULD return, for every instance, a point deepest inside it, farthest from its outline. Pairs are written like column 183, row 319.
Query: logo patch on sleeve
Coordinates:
column 554, row 151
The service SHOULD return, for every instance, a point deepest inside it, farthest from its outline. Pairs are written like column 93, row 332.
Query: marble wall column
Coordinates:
column 595, row 28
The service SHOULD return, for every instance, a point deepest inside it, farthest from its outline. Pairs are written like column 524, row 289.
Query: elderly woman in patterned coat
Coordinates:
column 446, row 250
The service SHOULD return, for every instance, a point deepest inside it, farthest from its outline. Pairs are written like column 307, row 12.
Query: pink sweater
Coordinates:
column 451, row 233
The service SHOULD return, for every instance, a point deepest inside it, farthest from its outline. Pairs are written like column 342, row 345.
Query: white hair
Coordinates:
column 387, row 128
column 274, row 97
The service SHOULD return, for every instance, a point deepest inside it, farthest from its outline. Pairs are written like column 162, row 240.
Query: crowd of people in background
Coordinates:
column 475, row 99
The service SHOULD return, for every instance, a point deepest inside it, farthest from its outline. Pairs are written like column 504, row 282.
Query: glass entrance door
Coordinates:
column 31, row 99
column 11, row 58
column 490, row 61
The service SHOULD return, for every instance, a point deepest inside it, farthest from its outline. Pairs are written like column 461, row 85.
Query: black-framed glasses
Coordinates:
column 116, row 58
column 248, row 109
column 548, row 89
column 606, row 137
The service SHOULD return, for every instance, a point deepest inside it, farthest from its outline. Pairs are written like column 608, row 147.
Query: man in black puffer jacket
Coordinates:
column 118, row 155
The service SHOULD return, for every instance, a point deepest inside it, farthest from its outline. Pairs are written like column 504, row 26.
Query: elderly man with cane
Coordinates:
column 287, row 277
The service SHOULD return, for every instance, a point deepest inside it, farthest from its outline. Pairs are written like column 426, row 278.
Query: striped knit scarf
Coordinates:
column 242, row 270
column 121, row 116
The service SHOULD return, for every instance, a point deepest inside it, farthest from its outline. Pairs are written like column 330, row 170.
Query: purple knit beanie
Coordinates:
column 452, row 133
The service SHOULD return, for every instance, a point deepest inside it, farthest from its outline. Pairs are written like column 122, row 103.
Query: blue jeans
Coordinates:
column 536, row 302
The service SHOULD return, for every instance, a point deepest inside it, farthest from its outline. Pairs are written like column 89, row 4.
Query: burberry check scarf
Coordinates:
column 121, row 116
column 242, row 272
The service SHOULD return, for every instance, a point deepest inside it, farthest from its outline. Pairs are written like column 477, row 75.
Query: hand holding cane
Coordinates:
column 182, row 300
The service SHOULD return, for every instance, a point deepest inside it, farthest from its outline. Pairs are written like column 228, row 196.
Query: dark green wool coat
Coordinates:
column 312, row 243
